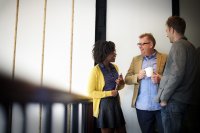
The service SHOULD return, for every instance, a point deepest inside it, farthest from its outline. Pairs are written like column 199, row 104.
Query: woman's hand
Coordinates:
column 120, row 80
column 114, row 93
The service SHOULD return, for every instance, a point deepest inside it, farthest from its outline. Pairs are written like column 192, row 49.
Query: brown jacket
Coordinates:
column 135, row 67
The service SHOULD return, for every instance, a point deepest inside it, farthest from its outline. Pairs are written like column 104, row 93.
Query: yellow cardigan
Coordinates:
column 95, row 88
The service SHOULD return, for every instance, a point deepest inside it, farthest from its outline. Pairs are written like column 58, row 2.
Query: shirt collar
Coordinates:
column 151, row 56
column 103, row 66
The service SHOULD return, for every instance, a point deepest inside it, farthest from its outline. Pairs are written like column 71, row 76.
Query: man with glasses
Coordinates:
column 145, row 85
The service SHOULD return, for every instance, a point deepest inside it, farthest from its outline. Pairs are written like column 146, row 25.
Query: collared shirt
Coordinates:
column 148, row 90
column 109, row 76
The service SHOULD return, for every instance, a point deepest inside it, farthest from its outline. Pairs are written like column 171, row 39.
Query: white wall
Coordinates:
column 57, row 44
column 126, row 20
column 29, row 40
column 57, row 35
column 84, row 35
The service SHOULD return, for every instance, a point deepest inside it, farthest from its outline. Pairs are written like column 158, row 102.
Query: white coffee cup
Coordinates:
column 149, row 71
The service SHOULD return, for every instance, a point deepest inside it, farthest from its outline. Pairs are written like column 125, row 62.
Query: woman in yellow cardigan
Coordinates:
column 104, row 83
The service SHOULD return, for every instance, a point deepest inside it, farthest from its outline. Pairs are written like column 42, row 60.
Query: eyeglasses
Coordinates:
column 142, row 44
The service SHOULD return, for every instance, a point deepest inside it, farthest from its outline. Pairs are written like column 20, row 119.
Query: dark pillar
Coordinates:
column 175, row 8
column 100, row 25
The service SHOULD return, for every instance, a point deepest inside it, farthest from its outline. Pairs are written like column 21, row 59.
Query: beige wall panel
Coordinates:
column 29, row 51
column 84, row 37
column 33, row 116
column 58, row 116
column 17, row 119
column 29, row 40
column 57, row 44
column 7, row 32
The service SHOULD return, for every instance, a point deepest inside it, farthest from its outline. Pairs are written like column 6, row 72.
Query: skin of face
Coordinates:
column 146, row 47
column 111, row 57
column 169, row 32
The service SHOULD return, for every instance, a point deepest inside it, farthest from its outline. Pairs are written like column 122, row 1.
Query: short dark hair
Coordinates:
column 150, row 36
column 177, row 23
column 102, row 49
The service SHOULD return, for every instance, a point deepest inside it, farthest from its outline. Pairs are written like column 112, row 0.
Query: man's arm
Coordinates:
column 131, row 76
column 175, row 71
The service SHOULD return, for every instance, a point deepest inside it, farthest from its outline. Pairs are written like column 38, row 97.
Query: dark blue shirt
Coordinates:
column 109, row 76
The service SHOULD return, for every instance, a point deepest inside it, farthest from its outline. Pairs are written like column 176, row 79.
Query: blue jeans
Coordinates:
column 149, row 121
column 172, row 116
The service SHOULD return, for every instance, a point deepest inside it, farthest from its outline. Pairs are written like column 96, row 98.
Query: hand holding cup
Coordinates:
column 141, row 74
column 156, row 78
